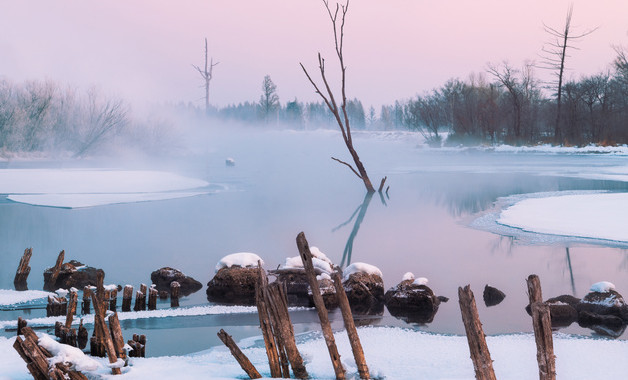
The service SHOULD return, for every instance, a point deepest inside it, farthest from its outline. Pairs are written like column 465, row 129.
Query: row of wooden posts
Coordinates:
column 58, row 305
column 107, row 339
column 282, row 351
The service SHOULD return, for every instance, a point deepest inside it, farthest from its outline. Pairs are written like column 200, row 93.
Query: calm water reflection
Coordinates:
column 284, row 183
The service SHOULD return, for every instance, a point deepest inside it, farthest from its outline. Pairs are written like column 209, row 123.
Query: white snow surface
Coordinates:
column 296, row 263
column 75, row 188
column 408, row 276
column 598, row 216
column 408, row 354
column 602, row 287
column 420, row 281
column 12, row 297
column 63, row 353
column 320, row 255
column 361, row 267
column 242, row 259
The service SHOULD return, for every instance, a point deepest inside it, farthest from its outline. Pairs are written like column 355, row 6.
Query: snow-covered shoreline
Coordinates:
column 408, row 355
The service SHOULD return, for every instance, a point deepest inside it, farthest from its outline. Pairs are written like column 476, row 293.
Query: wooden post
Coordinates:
column 113, row 300
column 175, row 287
column 244, row 362
column 50, row 285
column 23, row 270
column 306, row 257
column 352, row 332
column 86, row 299
column 71, row 308
column 100, row 287
column 481, row 357
column 116, row 335
column 264, row 323
column 152, row 298
column 275, row 295
column 82, row 336
column 140, row 299
column 542, row 323
column 106, row 336
column 127, row 295
column 21, row 323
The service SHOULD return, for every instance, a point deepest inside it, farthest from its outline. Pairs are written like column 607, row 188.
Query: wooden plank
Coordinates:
column 71, row 308
column 481, row 357
column 244, row 362
column 542, row 324
column 306, row 257
column 347, row 316
column 264, row 322
column 104, row 334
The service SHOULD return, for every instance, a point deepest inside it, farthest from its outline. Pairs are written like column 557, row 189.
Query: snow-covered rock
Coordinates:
column 364, row 286
column 240, row 259
column 361, row 268
column 412, row 300
column 162, row 278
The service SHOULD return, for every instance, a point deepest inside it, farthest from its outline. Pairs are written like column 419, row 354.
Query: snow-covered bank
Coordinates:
column 598, row 216
column 408, row 355
column 73, row 188
column 9, row 297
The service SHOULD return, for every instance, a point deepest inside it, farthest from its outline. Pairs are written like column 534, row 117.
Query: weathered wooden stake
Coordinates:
column 82, row 335
column 50, row 284
column 306, row 257
column 113, row 300
column 542, row 323
column 21, row 323
column 264, row 322
column 175, row 287
column 244, row 362
column 23, row 270
column 86, row 299
column 56, row 306
column 127, row 295
column 71, row 308
column 275, row 295
column 352, row 332
column 480, row 355
column 116, row 335
column 99, row 313
column 140, row 301
column 152, row 298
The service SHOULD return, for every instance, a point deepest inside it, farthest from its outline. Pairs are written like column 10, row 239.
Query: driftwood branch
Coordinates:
column 349, row 165
column 244, row 362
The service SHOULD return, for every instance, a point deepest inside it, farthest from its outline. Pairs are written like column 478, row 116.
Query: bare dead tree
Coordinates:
column 554, row 55
column 340, row 112
column 207, row 74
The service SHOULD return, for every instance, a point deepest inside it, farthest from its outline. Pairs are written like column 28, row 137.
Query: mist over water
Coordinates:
column 284, row 182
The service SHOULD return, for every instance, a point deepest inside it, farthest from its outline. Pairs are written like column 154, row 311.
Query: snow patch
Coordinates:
column 63, row 353
column 602, row 287
column 13, row 297
column 408, row 276
column 296, row 263
column 420, row 281
column 241, row 259
column 361, row 268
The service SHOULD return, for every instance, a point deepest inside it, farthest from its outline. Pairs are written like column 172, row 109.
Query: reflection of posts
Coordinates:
column 360, row 212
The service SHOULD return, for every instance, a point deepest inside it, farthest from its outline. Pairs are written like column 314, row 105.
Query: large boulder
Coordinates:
column 235, row 278
column 364, row 286
column 164, row 276
column 603, row 299
column 73, row 274
column 412, row 300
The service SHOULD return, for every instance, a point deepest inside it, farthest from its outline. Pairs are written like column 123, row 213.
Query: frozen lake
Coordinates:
column 284, row 182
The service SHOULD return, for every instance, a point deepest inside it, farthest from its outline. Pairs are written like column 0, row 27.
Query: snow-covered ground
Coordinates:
column 10, row 297
column 408, row 354
column 74, row 188
column 599, row 216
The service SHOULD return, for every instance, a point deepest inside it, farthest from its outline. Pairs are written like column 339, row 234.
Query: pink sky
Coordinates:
column 143, row 50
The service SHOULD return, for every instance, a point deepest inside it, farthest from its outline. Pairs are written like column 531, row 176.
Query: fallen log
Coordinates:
column 244, row 362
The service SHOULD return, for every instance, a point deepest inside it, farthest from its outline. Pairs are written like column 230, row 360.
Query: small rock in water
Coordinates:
column 230, row 161
column 412, row 301
column 233, row 285
column 492, row 296
column 162, row 278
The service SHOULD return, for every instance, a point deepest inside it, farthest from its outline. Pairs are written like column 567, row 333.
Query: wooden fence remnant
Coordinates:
column 152, row 298
column 50, row 284
column 306, row 257
column 244, row 362
column 127, row 295
column 542, row 324
column 86, row 300
column 56, row 306
column 480, row 355
column 71, row 308
column 275, row 295
column 116, row 335
column 23, row 270
column 113, row 299
column 99, row 321
column 82, row 336
column 352, row 332
column 265, row 324
column 21, row 323
column 36, row 358
column 175, row 288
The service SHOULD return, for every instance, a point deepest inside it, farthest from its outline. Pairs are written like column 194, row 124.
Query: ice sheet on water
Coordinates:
column 13, row 299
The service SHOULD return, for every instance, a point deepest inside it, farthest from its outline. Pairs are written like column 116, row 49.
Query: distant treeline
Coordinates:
column 43, row 116
column 504, row 105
